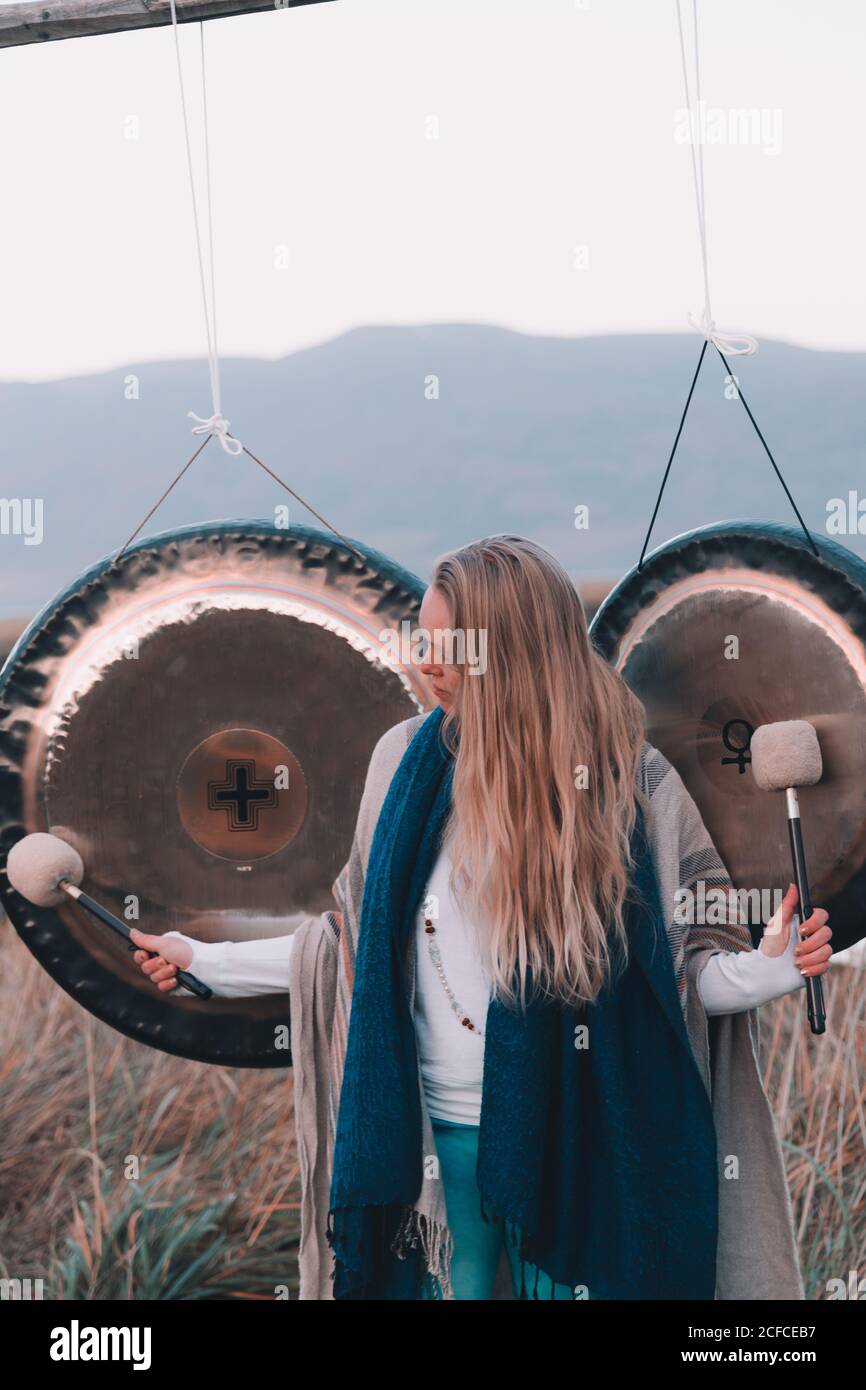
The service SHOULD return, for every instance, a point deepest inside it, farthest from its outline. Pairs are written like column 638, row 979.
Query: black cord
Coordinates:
column 776, row 469
column 158, row 504
column 673, row 451
column 269, row 471
column 303, row 502
column 806, row 532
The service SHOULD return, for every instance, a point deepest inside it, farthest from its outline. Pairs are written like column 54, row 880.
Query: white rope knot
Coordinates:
column 729, row 343
column 218, row 425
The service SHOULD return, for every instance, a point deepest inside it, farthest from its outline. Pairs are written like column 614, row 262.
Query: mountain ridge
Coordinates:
column 524, row 429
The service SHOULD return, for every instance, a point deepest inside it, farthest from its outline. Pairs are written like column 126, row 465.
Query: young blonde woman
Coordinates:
column 514, row 1048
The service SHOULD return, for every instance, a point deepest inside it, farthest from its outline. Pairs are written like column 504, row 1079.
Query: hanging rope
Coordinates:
column 156, row 506
column 215, row 425
column 776, row 469
column 806, row 532
column 734, row 344
column 270, row 472
column 673, row 451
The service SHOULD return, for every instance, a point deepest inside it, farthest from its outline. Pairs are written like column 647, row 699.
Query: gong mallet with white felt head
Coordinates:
column 786, row 756
column 45, row 870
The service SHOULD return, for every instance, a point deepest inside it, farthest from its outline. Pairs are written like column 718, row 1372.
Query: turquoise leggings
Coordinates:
column 477, row 1243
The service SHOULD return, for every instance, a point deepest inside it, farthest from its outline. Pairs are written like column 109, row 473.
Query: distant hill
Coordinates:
column 524, row 429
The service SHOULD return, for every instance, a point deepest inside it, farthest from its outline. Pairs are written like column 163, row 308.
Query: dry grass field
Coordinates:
column 213, row 1212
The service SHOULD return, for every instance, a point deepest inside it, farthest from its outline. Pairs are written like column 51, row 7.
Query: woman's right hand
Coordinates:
column 173, row 953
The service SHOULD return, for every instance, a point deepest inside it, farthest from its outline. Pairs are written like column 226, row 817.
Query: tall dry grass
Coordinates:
column 214, row 1213
column 818, row 1090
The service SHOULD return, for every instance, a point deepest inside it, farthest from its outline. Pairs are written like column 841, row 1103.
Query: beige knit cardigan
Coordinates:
column 757, row 1256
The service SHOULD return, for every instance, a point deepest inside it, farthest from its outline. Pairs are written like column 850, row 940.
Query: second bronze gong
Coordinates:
column 741, row 624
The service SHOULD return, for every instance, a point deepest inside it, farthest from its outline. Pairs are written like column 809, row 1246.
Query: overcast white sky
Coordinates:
column 556, row 129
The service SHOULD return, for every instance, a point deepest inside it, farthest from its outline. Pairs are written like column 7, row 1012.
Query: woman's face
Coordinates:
column 444, row 679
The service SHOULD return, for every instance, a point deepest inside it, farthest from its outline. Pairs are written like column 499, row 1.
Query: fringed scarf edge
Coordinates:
column 416, row 1231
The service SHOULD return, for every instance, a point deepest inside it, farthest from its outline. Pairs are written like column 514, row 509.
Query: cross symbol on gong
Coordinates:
column 241, row 794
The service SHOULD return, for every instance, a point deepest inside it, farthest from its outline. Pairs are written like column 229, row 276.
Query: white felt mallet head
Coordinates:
column 786, row 754
column 36, row 864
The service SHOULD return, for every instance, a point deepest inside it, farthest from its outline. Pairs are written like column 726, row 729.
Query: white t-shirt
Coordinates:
column 451, row 1056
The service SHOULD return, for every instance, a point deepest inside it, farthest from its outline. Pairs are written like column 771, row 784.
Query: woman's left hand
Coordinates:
column 812, row 954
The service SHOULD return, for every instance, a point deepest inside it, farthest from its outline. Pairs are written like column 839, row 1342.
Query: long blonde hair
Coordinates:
column 540, row 849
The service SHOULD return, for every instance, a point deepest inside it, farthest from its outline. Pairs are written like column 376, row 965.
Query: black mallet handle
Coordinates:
column 189, row 982
column 814, row 989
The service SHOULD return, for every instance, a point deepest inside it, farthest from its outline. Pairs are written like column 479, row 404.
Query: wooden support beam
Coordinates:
column 39, row 22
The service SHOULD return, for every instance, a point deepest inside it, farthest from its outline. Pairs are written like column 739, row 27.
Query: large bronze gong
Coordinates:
column 197, row 720
column 737, row 625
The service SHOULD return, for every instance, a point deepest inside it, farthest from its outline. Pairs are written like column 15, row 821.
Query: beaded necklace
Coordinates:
column 436, row 957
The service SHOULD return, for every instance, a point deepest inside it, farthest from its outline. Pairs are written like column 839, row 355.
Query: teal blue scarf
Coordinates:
column 599, row 1160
